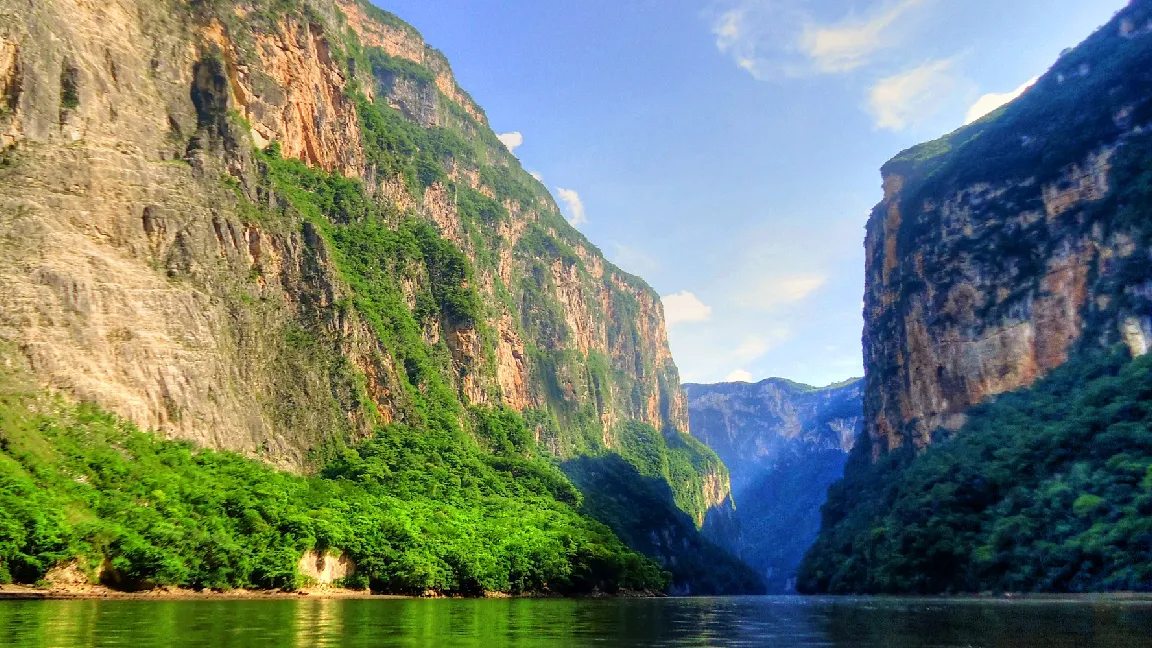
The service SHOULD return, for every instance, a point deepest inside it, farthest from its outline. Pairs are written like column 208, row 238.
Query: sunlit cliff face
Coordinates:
column 983, row 276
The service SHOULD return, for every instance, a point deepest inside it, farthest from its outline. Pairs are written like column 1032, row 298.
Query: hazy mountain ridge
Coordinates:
column 784, row 443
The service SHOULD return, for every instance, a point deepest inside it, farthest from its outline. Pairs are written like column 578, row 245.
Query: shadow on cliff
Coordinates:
column 641, row 511
column 779, row 515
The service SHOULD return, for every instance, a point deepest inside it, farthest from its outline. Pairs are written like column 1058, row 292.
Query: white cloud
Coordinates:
column 511, row 140
column 852, row 42
column 774, row 291
column 739, row 375
column 684, row 307
column 633, row 260
column 536, row 174
column 769, row 38
column 994, row 100
column 575, row 206
column 912, row 97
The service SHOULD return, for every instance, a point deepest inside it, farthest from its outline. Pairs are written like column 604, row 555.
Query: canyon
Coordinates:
column 784, row 444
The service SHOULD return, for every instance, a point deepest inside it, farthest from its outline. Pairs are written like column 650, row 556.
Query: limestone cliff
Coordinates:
column 151, row 261
column 1004, row 247
column 784, row 444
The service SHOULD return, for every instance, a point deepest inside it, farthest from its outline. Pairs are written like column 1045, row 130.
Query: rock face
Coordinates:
column 140, row 269
column 1001, row 249
column 325, row 569
column 784, row 444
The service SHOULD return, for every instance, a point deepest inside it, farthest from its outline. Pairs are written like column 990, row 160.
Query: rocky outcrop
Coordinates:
column 1010, row 244
column 325, row 569
column 149, row 265
column 784, row 444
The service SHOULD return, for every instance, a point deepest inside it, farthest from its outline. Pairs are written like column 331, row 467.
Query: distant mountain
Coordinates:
column 784, row 443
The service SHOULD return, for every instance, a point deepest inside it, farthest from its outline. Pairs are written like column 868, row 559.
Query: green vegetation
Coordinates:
column 377, row 249
column 69, row 87
column 385, row 18
column 421, row 490
column 383, row 65
column 415, row 511
column 677, row 459
column 1044, row 489
column 450, row 499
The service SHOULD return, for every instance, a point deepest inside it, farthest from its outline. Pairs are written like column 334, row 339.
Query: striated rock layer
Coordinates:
column 1012, row 243
column 140, row 270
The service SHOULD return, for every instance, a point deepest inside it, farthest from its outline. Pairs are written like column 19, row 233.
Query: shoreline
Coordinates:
column 101, row 593
column 97, row 593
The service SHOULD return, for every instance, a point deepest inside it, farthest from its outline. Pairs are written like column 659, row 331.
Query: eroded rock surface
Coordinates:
column 1005, row 247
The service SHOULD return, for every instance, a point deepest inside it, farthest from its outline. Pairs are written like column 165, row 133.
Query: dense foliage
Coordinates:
column 414, row 511
column 1044, row 489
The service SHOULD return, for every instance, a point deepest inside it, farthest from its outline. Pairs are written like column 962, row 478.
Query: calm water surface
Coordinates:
column 779, row 622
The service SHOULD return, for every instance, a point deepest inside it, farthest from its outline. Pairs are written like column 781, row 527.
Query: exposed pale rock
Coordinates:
column 327, row 568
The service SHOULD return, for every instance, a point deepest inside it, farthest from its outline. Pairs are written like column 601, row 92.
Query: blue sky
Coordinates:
column 728, row 151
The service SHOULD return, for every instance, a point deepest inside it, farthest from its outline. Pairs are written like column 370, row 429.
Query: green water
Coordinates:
column 779, row 622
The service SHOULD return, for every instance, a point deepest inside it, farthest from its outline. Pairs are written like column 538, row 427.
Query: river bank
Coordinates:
column 28, row 592
column 100, row 592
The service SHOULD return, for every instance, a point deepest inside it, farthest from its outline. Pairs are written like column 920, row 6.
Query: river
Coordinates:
column 779, row 622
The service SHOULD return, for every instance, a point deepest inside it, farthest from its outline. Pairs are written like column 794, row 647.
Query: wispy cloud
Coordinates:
column 772, row 38
column 854, row 41
column 684, row 307
column 772, row 287
column 773, row 291
column 536, row 174
column 571, row 199
column 511, row 141
column 752, row 348
column 913, row 97
column 994, row 100
column 757, row 346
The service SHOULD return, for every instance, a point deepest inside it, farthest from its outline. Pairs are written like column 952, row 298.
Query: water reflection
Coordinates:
column 722, row 622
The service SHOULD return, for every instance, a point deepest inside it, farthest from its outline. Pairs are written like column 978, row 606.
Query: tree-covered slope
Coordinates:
column 1047, row 489
column 280, row 228
column 414, row 512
